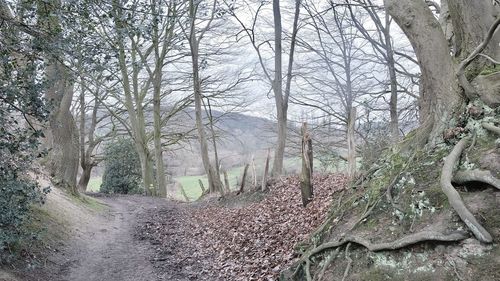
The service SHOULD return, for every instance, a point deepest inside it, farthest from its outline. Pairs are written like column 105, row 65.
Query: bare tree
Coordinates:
column 346, row 77
column 281, row 97
column 194, row 38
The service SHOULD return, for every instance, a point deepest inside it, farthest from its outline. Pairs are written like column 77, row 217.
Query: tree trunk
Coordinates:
column 281, row 109
column 442, row 100
column 281, row 98
column 160, row 166
column 393, row 104
column 132, row 97
column 61, row 136
column 83, row 182
column 214, row 139
column 351, row 144
column 214, row 183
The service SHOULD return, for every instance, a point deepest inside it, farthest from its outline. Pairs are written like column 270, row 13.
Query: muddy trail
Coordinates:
column 106, row 246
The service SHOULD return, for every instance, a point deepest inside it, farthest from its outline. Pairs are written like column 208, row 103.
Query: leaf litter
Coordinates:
column 251, row 242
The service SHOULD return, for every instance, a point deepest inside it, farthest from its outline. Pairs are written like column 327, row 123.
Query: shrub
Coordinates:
column 122, row 171
column 21, row 105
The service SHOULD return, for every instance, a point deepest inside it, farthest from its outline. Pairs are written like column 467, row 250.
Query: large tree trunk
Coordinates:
column 61, row 136
column 439, row 88
column 443, row 96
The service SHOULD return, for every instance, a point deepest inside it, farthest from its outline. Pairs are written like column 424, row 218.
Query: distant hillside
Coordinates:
column 239, row 136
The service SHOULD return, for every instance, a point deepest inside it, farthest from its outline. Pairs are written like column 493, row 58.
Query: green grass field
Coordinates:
column 94, row 184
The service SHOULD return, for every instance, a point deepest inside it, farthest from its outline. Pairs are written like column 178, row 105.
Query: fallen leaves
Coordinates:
column 252, row 242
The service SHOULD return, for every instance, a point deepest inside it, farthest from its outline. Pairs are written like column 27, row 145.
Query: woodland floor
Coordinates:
column 247, row 237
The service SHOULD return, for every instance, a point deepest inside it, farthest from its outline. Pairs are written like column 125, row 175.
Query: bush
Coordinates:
column 122, row 171
column 21, row 107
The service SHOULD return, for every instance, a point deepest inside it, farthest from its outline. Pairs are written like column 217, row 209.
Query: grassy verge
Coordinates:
column 94, row 184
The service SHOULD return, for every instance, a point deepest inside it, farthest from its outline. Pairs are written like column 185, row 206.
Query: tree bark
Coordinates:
column 214, row 183
column 61, row 135
column 393, row 103
column 441, row 98
column 281, row 109
column 351, row 144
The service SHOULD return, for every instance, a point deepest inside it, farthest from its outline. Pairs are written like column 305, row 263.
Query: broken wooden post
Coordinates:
column 306, row 187
column 254, row 172
column 183, row 192
column 266, row 171
column 201, row 186
column 226, row 182
column 243, row 178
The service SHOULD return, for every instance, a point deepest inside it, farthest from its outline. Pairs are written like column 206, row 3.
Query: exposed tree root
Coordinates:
column 328, row 261
column 405, row 241
column 492, row 128
column 454, row 197
column 485, row 176
column 398, row 244
column 349, row 262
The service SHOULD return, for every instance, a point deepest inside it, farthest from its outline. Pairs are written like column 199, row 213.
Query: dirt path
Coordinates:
column 106, row 248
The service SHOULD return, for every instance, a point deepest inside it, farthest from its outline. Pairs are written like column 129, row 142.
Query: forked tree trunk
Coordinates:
column 443, row 97
column 135, row 113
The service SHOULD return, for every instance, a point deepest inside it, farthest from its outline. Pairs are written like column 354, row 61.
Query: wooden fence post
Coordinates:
column 306, row 186
column 243, row 179
column 266, row 171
